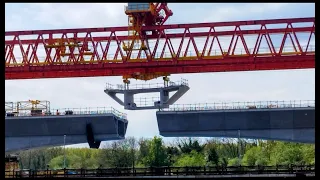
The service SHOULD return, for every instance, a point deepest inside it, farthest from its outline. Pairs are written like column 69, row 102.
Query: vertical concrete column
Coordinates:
column 164, row 96
column 128, row 99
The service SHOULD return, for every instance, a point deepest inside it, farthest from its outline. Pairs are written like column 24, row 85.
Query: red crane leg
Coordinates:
column 82, row 53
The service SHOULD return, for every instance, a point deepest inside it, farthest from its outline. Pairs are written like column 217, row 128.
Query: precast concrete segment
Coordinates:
column 38, row 131
column 164, row 101
column 286, row 124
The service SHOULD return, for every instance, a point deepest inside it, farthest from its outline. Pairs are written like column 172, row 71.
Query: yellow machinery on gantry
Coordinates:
column 32, row 107
column 139, row 15
column 62, row 44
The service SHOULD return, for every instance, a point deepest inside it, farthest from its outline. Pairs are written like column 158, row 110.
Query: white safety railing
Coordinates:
column 146, row 101
column 78, row 111
column 242, row 105
column 146, row 86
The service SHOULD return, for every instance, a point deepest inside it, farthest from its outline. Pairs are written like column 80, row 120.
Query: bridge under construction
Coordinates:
column 153, row 49
column 285, row 121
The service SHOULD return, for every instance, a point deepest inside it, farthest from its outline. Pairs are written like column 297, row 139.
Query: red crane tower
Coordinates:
column 149, row 51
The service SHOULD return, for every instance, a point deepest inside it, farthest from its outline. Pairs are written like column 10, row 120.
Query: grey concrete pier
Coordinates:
column 27, row 132
column 164, row 100
column 291, row 123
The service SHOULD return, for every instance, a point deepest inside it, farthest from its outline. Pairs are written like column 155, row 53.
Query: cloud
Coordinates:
column 205, row 87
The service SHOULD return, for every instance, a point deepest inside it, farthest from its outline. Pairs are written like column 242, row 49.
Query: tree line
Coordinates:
column 182, row 152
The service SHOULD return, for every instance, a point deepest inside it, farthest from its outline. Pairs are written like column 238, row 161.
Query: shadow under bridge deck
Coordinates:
column 26, row 132
column 285, row 121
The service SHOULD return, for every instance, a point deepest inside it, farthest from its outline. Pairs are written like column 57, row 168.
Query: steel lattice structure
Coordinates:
column 98, row 52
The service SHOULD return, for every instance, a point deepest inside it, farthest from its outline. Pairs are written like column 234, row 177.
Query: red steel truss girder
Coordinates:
column 175, row 35
column 98, row 67
column 91, row 70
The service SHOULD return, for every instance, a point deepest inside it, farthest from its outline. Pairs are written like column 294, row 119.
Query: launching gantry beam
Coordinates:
column 91, row 52
column 129, row 103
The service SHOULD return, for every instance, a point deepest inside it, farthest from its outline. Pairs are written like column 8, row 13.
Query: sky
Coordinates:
column 204, row 87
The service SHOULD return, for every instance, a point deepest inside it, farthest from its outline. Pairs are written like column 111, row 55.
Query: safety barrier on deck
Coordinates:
column 147, row 86
column 79, row 111
column 242, row 105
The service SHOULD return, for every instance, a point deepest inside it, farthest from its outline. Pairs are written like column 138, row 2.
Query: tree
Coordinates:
column 308, row 153
column 132, row 145
column 223, row 161
column 186, row 146
column 212, row 155
column 261, row 161
column 120, row 154
column 143, row 151
column 287, row 153
column 227, row 149
column 157, row 154
column 234, row 162
column 194, row 158
column 72, row 161
column 251, row 156
column 103, row 155
column 186, row 152
column 33, row 159
column 255, row 156
column 172, row 152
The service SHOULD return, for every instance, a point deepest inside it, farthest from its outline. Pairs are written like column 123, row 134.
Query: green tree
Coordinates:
column 103, row 157
column 72, row 161
column 157, row 155
column 143, row 151
column 256, row 155
column 120, row 154
column 173, row 153
column 234, row 162
column 33, row 159
column 252, row 155
column 308, row 153
column 227, row 149
column 194, row 158
column 212, row 155
column 152, row 152
column 186, row 146
column 287, row 153
column 261, row 161
column 223, row 161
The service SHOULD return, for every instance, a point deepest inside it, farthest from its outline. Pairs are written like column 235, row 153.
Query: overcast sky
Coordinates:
column 206, row 87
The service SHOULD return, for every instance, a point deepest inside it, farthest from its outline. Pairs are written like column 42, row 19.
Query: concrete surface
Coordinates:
column 31, row 132
column 164, row 101
column 285, row 124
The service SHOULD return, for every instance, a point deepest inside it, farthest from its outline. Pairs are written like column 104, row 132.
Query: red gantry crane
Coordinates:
column 153, row 49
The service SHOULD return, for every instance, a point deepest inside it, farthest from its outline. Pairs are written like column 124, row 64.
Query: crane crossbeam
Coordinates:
column 177, row 48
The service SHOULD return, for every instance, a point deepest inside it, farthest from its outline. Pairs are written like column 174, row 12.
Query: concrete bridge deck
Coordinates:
column 286, row 121
column 92, row 126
